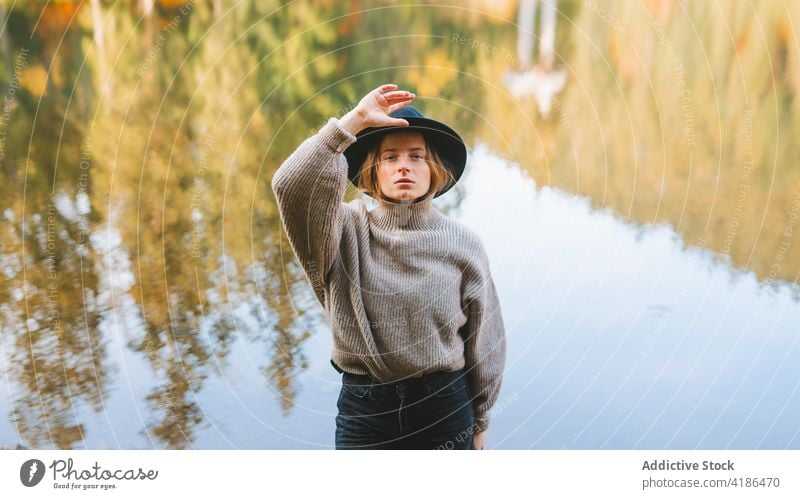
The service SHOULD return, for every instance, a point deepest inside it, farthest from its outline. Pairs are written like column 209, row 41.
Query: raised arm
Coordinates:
column 308, row 187
column 310, row 184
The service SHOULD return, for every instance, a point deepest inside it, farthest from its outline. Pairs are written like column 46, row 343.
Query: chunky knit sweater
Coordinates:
column 406, row 289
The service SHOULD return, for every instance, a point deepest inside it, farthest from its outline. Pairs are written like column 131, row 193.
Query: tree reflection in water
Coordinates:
column 138, row 146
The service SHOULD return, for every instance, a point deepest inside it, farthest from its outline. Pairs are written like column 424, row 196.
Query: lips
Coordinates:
column 404, row 181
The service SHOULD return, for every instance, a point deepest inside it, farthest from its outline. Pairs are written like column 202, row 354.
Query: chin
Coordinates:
column 406, row 196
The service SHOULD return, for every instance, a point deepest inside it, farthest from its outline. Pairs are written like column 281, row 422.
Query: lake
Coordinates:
column 632, row 173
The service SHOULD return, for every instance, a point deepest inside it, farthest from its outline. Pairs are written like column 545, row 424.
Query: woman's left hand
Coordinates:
column 479, row 440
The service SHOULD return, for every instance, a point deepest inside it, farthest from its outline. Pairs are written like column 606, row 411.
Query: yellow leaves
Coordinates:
column 743, row 40
column 436, row 71
column 171, row 4
column 505, row 9
column 623, row 58
column 56, row 17
column 349, row 24
column 34, row 80
column 661, row 9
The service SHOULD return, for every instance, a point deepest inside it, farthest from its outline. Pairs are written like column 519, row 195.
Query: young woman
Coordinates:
column 418, row 333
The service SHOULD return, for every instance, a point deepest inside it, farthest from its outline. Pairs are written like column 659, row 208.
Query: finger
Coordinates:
column 395, row 122
column 399, row 100
column 397, row 93
column 395, row 107
column 385, row 88
column 398, row 103
column 390, row 97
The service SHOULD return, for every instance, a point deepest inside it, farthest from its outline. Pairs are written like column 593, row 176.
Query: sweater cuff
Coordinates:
column 336, row 137
column 481, row 422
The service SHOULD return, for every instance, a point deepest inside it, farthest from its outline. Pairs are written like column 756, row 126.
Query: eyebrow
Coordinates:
column 394, row 149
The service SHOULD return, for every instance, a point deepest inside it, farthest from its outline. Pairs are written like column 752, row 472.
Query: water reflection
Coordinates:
column 622, row 337
column 149, row 300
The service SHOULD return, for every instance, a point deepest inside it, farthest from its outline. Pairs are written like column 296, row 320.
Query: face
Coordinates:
column 403, row 172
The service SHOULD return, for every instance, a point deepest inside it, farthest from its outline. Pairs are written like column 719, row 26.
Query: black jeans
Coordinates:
column 431, row 412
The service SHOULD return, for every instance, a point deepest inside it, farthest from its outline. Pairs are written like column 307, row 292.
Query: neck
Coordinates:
column 414, row 215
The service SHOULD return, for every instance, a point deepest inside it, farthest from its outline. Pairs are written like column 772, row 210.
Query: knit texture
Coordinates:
column 407, row 290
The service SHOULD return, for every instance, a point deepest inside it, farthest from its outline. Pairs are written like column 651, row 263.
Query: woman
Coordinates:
column 418, row 334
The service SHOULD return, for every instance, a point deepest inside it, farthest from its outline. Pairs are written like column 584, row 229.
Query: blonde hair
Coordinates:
column 441, row 175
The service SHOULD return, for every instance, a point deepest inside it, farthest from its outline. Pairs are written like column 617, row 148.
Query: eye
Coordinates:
column 390, row 157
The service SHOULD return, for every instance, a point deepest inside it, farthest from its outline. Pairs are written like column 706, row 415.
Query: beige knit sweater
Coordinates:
column 407, row 290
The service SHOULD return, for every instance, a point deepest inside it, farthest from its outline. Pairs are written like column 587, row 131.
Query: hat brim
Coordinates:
column 445, row 140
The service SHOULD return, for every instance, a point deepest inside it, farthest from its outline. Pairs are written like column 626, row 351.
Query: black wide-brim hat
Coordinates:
column 445, row 140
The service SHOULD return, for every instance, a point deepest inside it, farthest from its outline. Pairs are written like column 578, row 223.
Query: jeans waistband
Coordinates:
column 362, row 379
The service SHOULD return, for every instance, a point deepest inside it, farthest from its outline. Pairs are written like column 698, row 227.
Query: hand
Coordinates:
column 373, row 109
column 479, row 440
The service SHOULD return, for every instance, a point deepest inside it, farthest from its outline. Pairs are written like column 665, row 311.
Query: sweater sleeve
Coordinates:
column 309, row 187
column 484, row 339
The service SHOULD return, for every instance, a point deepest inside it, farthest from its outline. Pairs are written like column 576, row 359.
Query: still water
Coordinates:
column 635, row 184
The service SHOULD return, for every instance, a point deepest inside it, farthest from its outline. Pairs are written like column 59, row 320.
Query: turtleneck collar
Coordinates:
column 404, row 215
